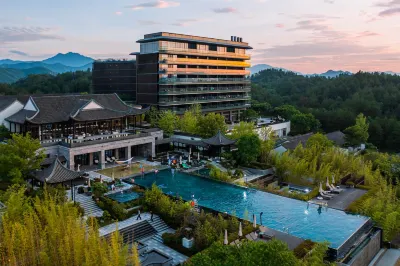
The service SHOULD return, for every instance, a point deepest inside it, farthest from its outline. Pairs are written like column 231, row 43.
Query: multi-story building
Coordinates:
column 175, row 71
column 115, row 76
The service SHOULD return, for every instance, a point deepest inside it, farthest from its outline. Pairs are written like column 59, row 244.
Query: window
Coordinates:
column 170, row 66
column 230, row 49
column 212, row 47
column 192, row 45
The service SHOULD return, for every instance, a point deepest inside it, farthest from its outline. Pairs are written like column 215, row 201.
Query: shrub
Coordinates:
column 99, row 189
column 301, row 250
column 80, row 190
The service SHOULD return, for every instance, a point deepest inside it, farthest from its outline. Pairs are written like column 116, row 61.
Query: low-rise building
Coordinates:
column 279, row 127
column 85, row 129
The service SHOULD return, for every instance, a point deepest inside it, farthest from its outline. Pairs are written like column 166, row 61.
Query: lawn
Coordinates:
column 121, row 171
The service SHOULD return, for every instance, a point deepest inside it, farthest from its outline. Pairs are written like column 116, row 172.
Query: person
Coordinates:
column 151, row 216
column 156, row 172
column 138, row 217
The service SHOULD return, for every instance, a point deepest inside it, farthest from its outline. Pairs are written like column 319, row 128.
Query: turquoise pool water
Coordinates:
column 280, row 213
column 125, row 196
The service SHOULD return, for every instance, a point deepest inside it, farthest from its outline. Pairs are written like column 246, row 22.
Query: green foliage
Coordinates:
column 357, row 134
column 242, row 129
column 336, row 102
column 99, row 189
column 303, row 123
column 217, row 174
column 44, row 232
column 320, row 141
column 249, row 147
column 153, row 116
column 249, row 115
column 189, row 121
column 70, row 82
column 210, row 124
column 301, row 250
column 168, row 122
column 18, row 157
column 115, row 210
column 4, row 133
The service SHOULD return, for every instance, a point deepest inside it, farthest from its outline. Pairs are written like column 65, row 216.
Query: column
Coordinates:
column 102, row 159
column 129, row 152
column 71, row 162
column 153, row 149
column 91, row 159
column 116, row 153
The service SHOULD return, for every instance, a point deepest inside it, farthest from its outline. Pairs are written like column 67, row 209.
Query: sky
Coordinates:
column 309, row 36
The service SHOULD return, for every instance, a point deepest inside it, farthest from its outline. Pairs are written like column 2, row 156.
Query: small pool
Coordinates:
column 295, row 217
column 124, row 196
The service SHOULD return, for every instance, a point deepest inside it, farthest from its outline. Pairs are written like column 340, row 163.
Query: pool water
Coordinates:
column 125, row 196
column 287, row 215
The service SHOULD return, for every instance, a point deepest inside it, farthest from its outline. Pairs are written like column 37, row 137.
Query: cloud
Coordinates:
column 154, row 4
column 279, row 25
column 367, row 34
column 225, row 10
column 389, row 4
column 18, row 52
column 148, row 22
column 118, row 13
column 390, row 12
column 309, row 16
column 185, row 22
column 27, row 34
column 329, row 1
column 319, row 28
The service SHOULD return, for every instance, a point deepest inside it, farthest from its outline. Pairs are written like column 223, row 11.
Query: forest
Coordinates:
column 336, row 102
column 70, row 82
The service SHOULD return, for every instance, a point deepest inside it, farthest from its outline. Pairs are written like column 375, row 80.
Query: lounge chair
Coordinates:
column 334, row 190
column 96, row 161
column 113, row 158
column 325, row 196
column 108, row 159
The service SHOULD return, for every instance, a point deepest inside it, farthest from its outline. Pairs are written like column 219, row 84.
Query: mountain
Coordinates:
column 10, row 75
column 69, row 59
column 260, row 67
column 334, row 74
column 56, row 68
column 391, row 73
column 9, row 62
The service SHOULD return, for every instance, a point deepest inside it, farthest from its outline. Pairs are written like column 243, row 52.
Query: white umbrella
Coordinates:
column 254, row 221
column 113, row 179
column 190, row 150
column 88, row 182
column 198, row 156
column 333, row 180
column 189, row 158
column 180, row 159
column 320, row 188
column 78, row 169
column 226, row 237
column 327, row 182
column 240, row 230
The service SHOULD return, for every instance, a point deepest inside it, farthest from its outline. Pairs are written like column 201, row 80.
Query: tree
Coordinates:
column 249, row 115
column 242, row 129
column 265, row 149
column 4, row 133
column 287, row 111
column 99, row 189
column 320, row 141
column 357, row 134
column 19, row 156
column 189, row 121
column 266, row 133
column 152, row 116
column 249, row 147
column 42, row 232
column 168, row 122
column 303, row 123
column 210, row 124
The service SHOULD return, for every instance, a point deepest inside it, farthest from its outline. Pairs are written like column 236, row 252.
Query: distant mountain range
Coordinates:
column 329, row 74
column 11, row 71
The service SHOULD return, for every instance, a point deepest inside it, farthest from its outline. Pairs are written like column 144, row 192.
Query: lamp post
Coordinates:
column 261, row 213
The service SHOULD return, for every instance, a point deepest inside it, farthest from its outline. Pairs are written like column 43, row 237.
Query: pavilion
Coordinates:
column 219, row 142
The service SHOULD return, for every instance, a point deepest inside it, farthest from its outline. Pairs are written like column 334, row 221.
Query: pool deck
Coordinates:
column 343, row 200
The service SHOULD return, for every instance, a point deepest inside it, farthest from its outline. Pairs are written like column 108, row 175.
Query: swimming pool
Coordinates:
column 284, row 214
column 124, row 196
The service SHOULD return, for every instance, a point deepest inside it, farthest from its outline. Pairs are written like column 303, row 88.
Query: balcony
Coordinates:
column 201, row 90
column 205, row 99
column 192, row 61
column 203, row 80
column 202, row 71
column 213, row 108
column 203, row 53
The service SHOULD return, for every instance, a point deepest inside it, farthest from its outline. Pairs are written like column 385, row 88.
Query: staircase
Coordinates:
column 135, row 232
column 88, row 204
column 161, row 227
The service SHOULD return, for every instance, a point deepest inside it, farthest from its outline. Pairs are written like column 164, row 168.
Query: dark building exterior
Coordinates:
column 115, row 76
column 175, row 71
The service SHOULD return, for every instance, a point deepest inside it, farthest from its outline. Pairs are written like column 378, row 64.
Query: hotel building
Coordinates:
column 175, row 71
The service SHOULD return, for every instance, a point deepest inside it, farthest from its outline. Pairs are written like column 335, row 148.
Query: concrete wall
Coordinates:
column 278, row 129
column 9, row 111
column 365, row 256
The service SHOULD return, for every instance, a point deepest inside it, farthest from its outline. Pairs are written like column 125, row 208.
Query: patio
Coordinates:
column 343, row 200
column 123, row 171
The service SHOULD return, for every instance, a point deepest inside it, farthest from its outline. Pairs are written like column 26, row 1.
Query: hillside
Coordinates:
column 69, row 59
column 336, row 102
column 11, row 75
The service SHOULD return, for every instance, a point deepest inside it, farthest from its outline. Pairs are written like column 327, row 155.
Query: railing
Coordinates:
column 74, row 143
column 211, row 108
column 202, row 90
column 204, row 53
column 203, row 99
column 202, row 71
column 193, row 61
column 206, row 80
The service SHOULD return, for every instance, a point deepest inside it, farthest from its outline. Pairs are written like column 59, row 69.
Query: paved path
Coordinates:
column 389, row 258
column 87, row 203
column 344, row 199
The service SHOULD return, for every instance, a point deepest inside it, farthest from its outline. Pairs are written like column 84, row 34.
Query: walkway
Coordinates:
column 154, row 241
column 390, row 258
column 343, row 200
column 87, row 203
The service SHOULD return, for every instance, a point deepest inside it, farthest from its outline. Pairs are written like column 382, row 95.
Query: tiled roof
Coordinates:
column 62, row 108
column 20, row 116
column 7, row 100
column 219, row 140
column 337, row 137
column 56, row 173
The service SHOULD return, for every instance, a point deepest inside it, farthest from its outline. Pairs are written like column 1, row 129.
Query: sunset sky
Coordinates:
column 302, row 35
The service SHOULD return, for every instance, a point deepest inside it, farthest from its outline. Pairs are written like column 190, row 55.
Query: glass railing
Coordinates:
column 203, row 52
column 210, row 62
column 211, row 108
column 203, row 90
column 203, row 99
column 200, row 71
column 207, row 80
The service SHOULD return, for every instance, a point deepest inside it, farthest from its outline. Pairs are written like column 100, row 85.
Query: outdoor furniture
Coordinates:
column 113, row 158
column 96, row 161
column 108, row 159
